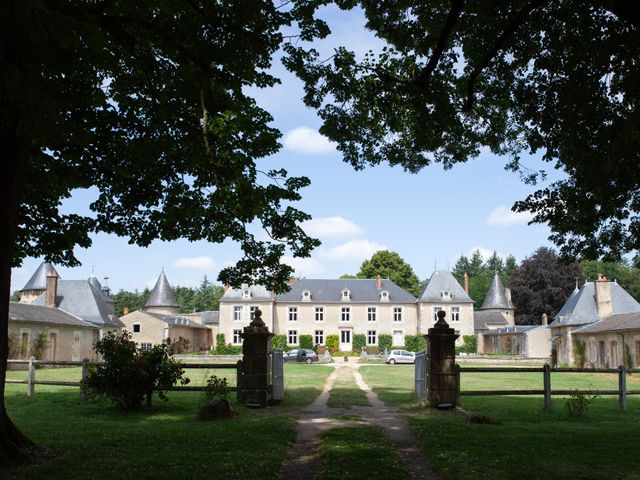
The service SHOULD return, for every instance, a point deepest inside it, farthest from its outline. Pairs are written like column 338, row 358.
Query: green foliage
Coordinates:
column 220, row 340
column 628, row 276
column 279, row 341
column 128, row 375
column 415, row 343
column 132, row 300
column 227, row 349
column 626, row 356
column 359, row 341
column 332, row 343
column 181, row 345
column 579, row 348
column 39, row 345
column 306, row 341
column 384, row 341
column 216, row 388
column 576, row 403
column 15, row 296
column 481, row 273
column 469, row 345
column 15, row 350
column 391, row 265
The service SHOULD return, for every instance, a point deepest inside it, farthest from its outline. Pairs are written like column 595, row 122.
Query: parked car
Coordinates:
column 400, row 356
column 300, row 355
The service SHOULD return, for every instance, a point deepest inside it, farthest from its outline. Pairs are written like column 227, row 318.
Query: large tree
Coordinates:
column 147, row 102
column 392, row 266
column 541, row 284
column 555, row 78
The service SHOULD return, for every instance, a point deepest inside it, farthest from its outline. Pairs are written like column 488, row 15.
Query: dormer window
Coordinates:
column 384, row 296
column 246, row 293
column 346, row 294
column 446, row 295
column 306, row 295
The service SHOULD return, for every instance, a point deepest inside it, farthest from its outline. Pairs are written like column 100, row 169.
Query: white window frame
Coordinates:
column 252, row 310
column 319, row 314
column 237, row 313
column 345, row 314
column 398, row 314
column 318, row 337
column 292, row 314
column 372, row 337
column 372, row 314
column 435, row 311
column 455, row 315
column 292, row 335
column 145, row 346
column 235, row 336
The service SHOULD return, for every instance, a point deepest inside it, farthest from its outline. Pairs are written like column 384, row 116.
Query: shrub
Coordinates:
column 128, row 374
column 181, row 345
column 359, row 341
column 579, row 348
column 332, row 343
column 279, row 341
column 320, row 349
column 39, row 345
column 384, row 341
column 577, row 403
column 228, row 349
column 216, row 388
column 626, row 358
column 306, row 341
column 469, row 344
column 415, row 343
column 14, row 345
column 220, row 340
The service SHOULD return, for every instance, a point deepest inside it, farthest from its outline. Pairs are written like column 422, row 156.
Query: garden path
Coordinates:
column 302, row 460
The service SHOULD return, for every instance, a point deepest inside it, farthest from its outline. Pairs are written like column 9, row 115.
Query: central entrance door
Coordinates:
column 345, row 340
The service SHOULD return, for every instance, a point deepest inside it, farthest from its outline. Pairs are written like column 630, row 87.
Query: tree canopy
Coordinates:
column 554, row 79
column 392, row 266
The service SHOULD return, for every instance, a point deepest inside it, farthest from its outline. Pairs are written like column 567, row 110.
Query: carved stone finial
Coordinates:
column 257, row 318
column 441, row 323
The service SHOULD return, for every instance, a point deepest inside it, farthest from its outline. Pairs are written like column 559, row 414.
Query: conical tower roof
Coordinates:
column 38, row 280
column 95, row 283
column 162, row 294
column 496, row 296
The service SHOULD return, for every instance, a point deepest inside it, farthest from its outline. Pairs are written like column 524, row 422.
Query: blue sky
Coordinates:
column 430, row 218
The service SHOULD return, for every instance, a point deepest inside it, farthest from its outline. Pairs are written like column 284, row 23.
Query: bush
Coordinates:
column 220, row 340
column 332, row 343
column 181, row 345
column 14, row 345
column 384, row 341
column 415, row 343
column 128, row 374
column 469, row 344
column 359, row 341
column 279, row 341
column 577, row 403
column 320, row 349
column 216, row 388
column 626, row 357
column 306, row 341
column 579, row 348
column 228, row 349
column 39, row 345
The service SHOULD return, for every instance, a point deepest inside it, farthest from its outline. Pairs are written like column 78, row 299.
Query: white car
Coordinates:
column 400, row 356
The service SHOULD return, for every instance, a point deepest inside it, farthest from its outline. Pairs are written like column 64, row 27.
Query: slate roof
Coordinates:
column 622, row 321
column 258, row 293
column 480, row 319
column 210, row 317
column 496, row 296
column 330, row 290
column 98, row 286
column 512, row 329
column 444, row 281
column 176, row 320
column 38, row 280
column 162, row 294
column 27, row 312
column 80, row 298
column 580, row 308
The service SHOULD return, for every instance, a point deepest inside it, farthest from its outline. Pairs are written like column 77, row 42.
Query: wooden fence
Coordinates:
column 547, row 391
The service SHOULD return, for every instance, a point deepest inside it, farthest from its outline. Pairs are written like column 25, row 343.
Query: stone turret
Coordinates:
column 37, row 284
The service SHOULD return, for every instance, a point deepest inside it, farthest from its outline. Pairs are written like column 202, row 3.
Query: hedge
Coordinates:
column 359, row 341
column 306, row 341
column 279, row 341
column 384, row 341
column 332, row 343
column 415, row 343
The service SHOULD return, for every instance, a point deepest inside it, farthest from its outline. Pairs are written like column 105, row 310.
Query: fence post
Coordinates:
column 622, row 388
column 239, row 374
column 277, row 372
column 457, row 370
column 85, row 375
column 547, row 386
column 31, row 378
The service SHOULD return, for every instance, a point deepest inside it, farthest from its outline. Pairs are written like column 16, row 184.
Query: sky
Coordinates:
column 429, row 218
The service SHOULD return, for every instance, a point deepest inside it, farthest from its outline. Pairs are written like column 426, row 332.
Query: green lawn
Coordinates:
column 93, row 440
column 345, row 392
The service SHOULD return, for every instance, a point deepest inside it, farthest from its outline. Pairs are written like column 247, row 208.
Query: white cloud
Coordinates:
column 204, row 264
column 332, row 227
column 354, row 250
column 306, row 267
column 307, row 140
column 503, row 217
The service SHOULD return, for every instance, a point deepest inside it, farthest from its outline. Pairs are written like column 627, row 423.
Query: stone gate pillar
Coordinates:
column 442, row 382
column 256, row 364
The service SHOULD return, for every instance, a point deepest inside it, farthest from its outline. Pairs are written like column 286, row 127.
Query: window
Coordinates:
column 345, row 314
column 136, row 328
column 145, row 346
column 237, row 339
column 384, row 296
column 397, row 314
column 306, row 295
column 293, row 314
column 319, row 314
column 252, row 311
column 372, row 337
column 237, row 312
column 319, row 337
column 446, row 295
column 372, row 314
column 346, row 294
column 435, row 313
column 292, row 337
column 455, row 314
column 246, row 293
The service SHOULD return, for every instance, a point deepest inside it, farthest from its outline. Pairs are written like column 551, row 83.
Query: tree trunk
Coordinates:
column 13, row 444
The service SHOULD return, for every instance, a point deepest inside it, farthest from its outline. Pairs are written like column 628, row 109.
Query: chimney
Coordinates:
column 543, row 319
column 507, row 293
column 52, row 289
column 125, row 310
column 603, row 296
column 466, row 282
column 379, row 282
column 293, row 281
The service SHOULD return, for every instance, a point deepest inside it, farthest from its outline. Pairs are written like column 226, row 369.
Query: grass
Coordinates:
column 357, row 453
column 94, row 440
column 345, row 392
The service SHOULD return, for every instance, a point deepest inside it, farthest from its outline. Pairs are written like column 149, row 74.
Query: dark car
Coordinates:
column 300, row 355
